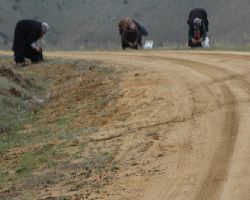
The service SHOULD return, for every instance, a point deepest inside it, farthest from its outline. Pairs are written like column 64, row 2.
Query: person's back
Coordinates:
column 25, row 31
column 28, row 25
column 201, row 14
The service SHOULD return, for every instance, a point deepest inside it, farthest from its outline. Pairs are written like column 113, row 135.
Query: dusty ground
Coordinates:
column 178, row 130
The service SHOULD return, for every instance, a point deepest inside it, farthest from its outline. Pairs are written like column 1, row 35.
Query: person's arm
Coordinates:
column 141, row 28
column 203, row 31
column 190, row 33
column 205, row 20
column 32, row 40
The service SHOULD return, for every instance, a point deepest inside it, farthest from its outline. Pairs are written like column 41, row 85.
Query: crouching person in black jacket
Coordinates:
column 27, row 33
column 198, row 27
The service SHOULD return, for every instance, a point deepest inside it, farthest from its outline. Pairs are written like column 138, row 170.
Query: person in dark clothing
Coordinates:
column 131, row 33
column 27, row 33
column 201, row 14
column 198, row 27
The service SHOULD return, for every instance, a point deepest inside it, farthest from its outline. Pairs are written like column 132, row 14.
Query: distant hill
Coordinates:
column 92, row 24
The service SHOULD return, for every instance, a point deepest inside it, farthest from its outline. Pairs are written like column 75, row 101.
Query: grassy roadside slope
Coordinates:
column 48, row 113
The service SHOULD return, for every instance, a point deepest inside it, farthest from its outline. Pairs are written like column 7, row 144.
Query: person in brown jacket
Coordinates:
column 131, row 33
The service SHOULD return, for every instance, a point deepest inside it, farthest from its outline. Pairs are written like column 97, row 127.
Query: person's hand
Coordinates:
column 38, row 49
column 132, row 45
column 194, row 41
column 139, row 46
column 200, row 40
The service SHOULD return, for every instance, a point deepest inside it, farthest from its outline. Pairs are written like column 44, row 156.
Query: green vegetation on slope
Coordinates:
column 48, row 113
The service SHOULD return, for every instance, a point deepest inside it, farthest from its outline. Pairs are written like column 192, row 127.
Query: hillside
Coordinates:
column 88, row 24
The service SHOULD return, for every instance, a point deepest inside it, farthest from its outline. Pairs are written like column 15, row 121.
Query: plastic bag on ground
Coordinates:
column 148, row 44
column 205, row 43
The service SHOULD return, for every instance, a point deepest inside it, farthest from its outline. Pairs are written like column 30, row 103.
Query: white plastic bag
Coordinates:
column 205, row 43
column 148, row 44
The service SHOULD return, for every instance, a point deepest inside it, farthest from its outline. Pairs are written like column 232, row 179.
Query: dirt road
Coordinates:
column 188, row 135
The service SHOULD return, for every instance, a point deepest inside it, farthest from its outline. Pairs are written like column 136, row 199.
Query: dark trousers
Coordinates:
column 31, row 54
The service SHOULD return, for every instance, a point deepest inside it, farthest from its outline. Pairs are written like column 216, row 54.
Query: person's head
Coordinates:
column 44, row 28
column 132, row 28
column 196, row 23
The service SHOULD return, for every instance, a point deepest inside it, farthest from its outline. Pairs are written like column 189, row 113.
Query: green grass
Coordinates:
column 15, row 111
column 27, row 163
column 64, row 120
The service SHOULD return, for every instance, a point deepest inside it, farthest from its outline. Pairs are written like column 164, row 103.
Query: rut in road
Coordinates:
column 217, row 175
column 212, row 186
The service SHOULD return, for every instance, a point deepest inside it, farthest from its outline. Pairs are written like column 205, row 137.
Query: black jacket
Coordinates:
column 26, row 32
column 200, row 13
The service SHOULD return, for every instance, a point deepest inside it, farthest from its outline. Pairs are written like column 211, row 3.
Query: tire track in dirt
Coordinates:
column 217, row 74
column 229, row 56
column 244, row 84
column 216, row 178
column 213, row 184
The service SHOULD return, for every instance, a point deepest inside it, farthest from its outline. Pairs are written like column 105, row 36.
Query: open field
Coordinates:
column 138, row 125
